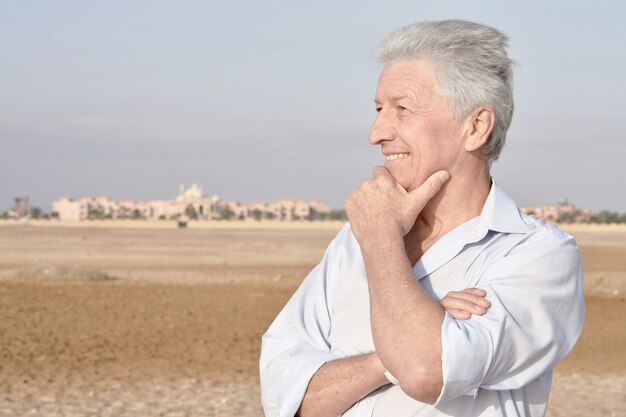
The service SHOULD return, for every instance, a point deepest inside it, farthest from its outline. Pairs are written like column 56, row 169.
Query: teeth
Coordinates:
column 396, row 156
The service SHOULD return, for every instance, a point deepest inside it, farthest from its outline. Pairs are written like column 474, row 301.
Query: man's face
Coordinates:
column 415, row 126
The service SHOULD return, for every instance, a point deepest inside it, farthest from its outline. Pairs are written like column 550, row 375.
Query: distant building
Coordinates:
column 191, row 203
column 287, row 209
column 259, row 210
column 67, row 209
column 20, row 208
column 194, row 201
column 564, row 212
column 234, row 210
column 319, row 210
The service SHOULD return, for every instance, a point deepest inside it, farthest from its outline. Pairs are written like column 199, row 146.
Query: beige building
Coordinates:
column 564, row 211
column 319, row 209
column 67, row 209
column 191, row 203
column 258, row 210
column 238, row 210
column 287, row 209
column 195, row 202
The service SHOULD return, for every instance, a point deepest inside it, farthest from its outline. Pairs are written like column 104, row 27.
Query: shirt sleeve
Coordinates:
column 535, row 318
column 296, row 344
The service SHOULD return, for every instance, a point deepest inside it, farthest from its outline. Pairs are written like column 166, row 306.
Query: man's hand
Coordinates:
column 462, row 304
column 381, row 207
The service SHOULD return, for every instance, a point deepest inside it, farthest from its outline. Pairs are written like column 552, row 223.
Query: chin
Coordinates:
column 406, row 183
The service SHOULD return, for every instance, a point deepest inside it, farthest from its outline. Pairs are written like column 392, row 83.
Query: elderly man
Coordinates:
column 366, row 333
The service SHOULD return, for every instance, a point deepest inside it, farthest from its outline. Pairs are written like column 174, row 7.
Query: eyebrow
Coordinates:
column 399, row 97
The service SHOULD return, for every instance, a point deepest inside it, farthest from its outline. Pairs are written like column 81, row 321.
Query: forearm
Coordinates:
column 338, row 384
column 406, row 321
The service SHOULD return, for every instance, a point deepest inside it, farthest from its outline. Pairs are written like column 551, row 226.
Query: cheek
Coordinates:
column 439, row 147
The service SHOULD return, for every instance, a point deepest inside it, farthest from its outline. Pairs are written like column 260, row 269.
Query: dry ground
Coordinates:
column 148, row 322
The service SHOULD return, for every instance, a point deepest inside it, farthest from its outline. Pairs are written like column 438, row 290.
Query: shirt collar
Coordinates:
column 499, row 214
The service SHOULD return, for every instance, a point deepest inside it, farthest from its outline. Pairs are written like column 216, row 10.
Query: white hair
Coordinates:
column 471, row 64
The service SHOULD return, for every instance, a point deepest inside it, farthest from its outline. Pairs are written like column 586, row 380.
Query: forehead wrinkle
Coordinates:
column 401, row 96
column 409, row 95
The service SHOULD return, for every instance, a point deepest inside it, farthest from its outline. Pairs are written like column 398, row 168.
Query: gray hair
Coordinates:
column 471, row 65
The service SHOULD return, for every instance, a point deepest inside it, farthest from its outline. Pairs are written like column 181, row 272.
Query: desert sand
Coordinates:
column 134, row 320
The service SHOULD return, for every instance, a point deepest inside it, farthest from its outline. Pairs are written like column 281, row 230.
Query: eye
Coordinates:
column 378, row 109
column 402, row 108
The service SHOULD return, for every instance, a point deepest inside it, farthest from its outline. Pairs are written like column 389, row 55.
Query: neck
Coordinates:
column 461, row 199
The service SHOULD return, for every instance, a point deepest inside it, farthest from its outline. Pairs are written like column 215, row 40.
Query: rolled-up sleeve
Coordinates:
column 296, row 344
column 535, row 318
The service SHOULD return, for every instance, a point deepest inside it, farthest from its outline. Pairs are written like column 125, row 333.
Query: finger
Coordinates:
column 462, row 304
column 469, row 297
column 422, row 194
column 380, row 170
column 477, row 295
column 476, row 291
column 459, row 314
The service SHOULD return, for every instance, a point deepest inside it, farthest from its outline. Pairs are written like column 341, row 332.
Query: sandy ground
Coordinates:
column 164, row 322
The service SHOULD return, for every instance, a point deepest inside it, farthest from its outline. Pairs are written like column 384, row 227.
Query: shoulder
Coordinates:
column 543, row 237
column 543, row 255
column 540, row 227
column 345, row 239
column 343, row 257
column 343, row 246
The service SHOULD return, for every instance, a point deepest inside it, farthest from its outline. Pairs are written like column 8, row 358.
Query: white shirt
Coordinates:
column 499, row 364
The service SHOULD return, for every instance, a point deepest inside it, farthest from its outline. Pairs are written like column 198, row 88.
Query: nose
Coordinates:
column 381, row 130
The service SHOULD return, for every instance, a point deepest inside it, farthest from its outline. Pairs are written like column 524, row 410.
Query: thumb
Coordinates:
column 425, row 192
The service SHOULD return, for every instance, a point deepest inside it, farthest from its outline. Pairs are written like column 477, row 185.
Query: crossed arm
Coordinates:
column 338, row 384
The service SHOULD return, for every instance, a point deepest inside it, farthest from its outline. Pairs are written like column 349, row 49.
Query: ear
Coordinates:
column 479, row 127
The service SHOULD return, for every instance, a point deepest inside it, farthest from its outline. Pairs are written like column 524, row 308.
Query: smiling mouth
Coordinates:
column 396, row 156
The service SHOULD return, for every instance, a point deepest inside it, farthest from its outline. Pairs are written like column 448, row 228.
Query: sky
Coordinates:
column 257, row 100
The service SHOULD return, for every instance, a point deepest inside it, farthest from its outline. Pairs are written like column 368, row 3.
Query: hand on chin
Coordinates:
column 382, row 207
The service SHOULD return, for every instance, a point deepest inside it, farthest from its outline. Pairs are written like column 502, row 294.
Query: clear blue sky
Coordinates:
column 264, row 99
